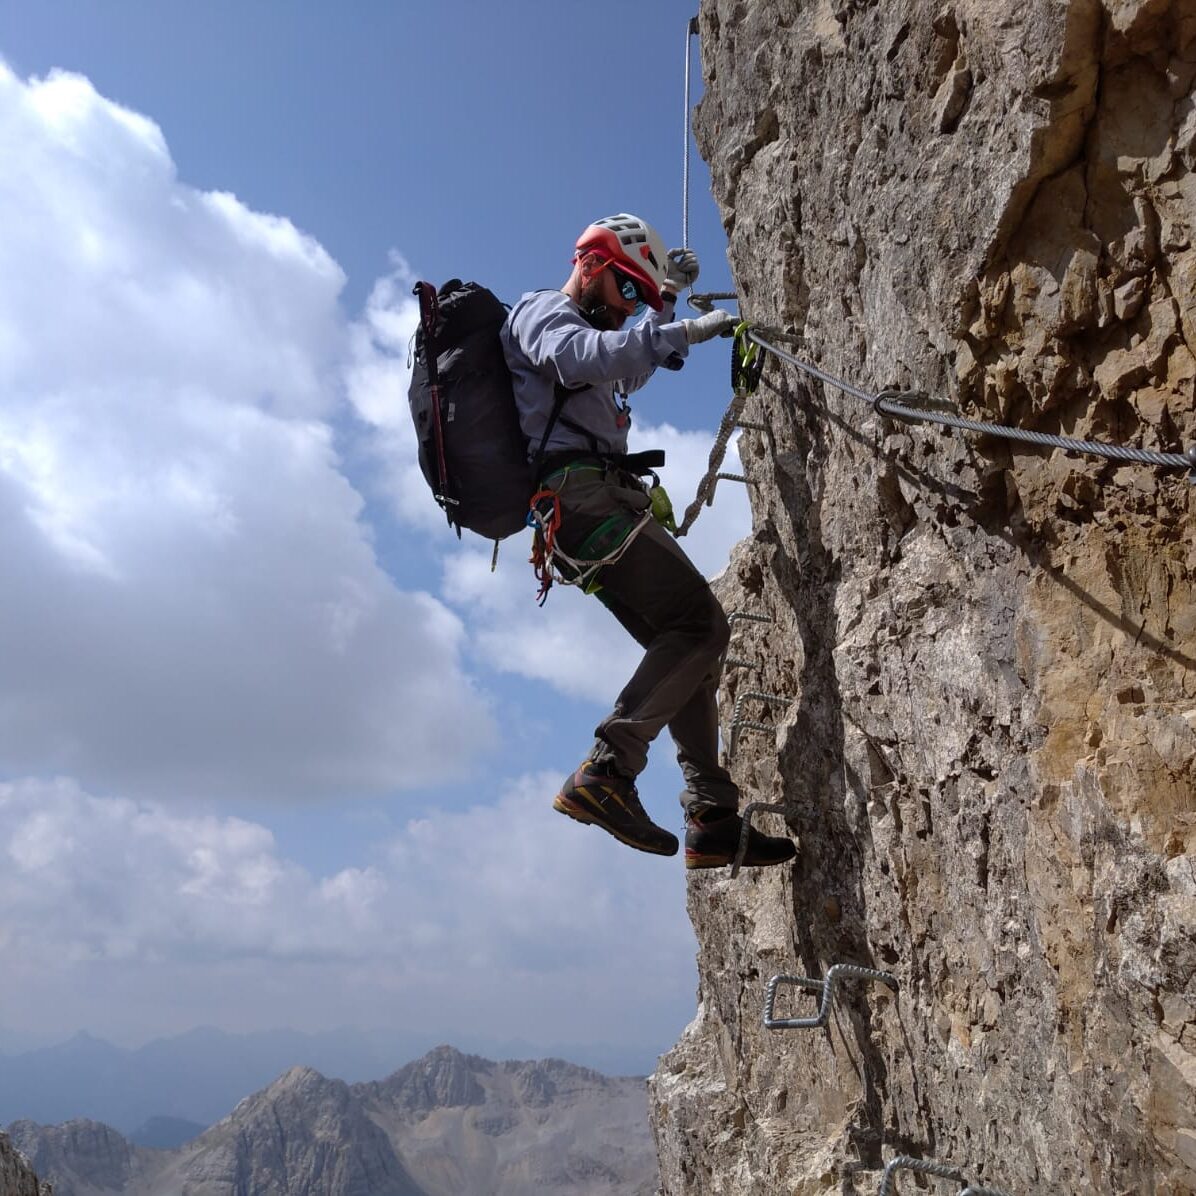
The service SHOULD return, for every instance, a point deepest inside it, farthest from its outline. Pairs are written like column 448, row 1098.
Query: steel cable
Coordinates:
column 884, row 403
column 689, row 35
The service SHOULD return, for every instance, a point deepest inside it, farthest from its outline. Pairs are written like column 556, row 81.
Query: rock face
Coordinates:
column 447, row 1125
column 989, row 752
column 16, row 1176
column 77, row 1148
column 469, row 1127
column 303, row 1136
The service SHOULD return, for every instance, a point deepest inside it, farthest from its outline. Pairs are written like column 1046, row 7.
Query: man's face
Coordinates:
column 602, row 298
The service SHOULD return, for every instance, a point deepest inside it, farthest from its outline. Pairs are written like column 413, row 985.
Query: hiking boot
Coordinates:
column 597, row 795
column 712, row 839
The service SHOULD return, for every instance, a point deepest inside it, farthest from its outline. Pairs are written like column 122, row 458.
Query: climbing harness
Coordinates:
column 747, row 366
column 841, row 971
column 551, row 563
column 904, row 1162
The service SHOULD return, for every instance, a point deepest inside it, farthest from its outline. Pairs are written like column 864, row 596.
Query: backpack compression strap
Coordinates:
column 429, row 315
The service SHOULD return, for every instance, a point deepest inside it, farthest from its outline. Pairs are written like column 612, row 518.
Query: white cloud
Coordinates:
column 508, row 912
column 192, row 603
column 378, row 375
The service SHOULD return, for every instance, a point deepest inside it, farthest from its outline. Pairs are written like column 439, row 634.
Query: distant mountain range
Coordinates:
column 87, row 1077
column 447, row 1125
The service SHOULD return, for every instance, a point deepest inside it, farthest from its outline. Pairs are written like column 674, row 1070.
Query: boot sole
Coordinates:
column 562, row 805
column 695, row 861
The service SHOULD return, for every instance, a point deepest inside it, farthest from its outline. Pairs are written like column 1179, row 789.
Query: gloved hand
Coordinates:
column 682, row 269
column 712, row 324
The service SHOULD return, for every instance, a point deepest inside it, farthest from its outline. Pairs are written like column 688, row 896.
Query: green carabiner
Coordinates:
column 747, row 362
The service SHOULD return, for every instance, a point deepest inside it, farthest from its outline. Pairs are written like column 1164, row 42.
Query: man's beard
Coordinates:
column 602, row 316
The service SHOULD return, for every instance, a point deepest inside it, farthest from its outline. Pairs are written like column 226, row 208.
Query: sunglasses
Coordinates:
column 629, row 289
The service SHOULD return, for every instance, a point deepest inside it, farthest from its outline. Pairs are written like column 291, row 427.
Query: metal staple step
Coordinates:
column 737, row 616
column 930, row 1167
column 841, row 971
column 745, row 829
column 904, row 1162
column 740, row 724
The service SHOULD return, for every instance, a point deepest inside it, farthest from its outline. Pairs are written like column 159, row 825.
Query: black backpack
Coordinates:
column 472, row 451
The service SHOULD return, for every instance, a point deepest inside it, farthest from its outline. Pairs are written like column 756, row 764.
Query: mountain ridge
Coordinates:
column 89, row 1078
column 447, row 1124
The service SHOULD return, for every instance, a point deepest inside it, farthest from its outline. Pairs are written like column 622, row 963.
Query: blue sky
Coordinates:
column 275, row 749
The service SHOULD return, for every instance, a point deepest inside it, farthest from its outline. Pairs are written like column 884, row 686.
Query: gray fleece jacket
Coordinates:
column 547, row 340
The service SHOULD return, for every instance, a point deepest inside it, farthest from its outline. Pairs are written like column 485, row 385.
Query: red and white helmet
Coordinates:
column 634, row 246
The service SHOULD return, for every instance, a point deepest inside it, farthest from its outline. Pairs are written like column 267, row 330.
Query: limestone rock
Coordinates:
column 16, row 1176
column 504, row 1129
column 991, row 652
column 98, row 1148
column 305, row 1135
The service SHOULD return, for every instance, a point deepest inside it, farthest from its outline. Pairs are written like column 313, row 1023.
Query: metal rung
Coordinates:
column 903, row 1162
column 732, row 477
column 841, row 971
column 733, row 662
column 746, row 827
column 704, row 302
column 737, row 615
column 739, row 723
column 930, row 1167
column 752, row 426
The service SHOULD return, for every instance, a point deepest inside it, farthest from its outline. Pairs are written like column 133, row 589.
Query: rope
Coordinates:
column 691, row 29
column 747, row 365
column 705, row 495
column 547, row 555
column 587, row 569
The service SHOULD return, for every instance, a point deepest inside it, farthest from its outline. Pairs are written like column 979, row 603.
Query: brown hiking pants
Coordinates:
column 667, row 606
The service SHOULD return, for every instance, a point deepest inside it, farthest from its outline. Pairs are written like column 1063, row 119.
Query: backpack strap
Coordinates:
column 561, row 392
column 429, row 314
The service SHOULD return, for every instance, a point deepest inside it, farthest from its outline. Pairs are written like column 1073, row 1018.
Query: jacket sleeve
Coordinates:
column 581, row 355
column 660, row 319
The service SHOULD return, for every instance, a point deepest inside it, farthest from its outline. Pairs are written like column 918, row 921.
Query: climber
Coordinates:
column 573, row 340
